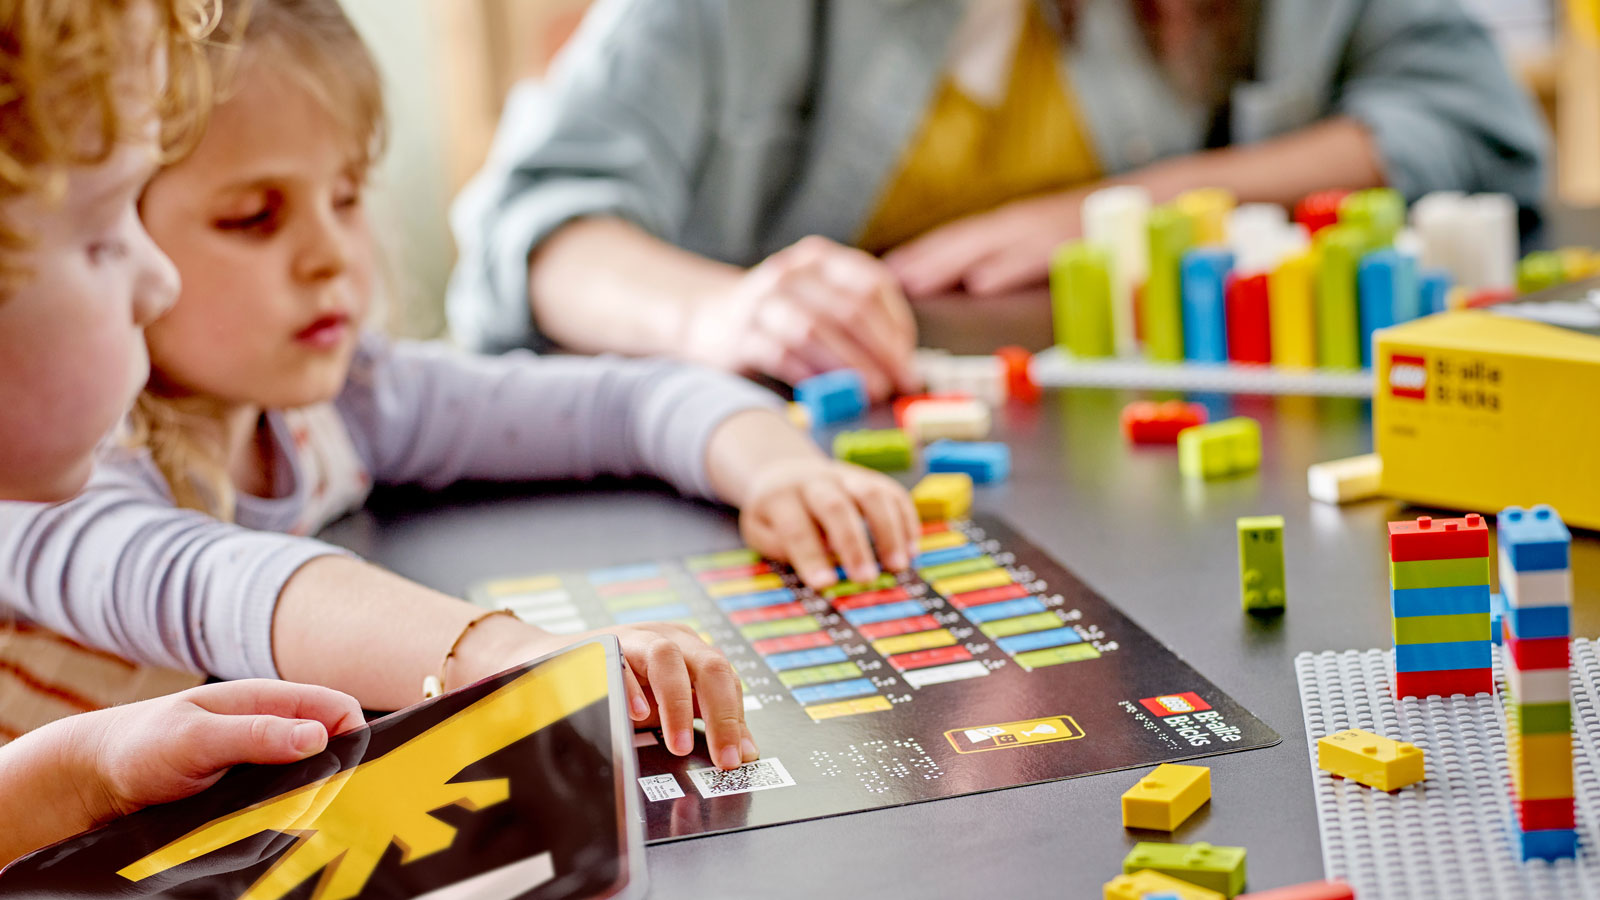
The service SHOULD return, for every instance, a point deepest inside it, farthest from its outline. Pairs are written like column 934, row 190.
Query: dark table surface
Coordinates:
column 1161, row 548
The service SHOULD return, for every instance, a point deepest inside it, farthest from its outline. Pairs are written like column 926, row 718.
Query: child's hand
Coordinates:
column 798, row 509
column 172, row 747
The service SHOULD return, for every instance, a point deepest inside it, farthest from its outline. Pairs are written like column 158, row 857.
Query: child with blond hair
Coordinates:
column 93, row 93
column 270, row 412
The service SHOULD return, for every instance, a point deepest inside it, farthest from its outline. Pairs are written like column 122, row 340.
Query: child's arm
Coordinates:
column 81, row 772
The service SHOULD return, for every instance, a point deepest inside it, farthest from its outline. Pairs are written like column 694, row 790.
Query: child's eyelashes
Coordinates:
column 256, row 223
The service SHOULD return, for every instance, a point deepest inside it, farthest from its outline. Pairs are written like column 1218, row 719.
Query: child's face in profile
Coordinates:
column 265, row 223
column 72, row 352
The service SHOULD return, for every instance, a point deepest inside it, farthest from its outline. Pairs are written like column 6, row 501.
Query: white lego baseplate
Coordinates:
column 1053, row 368
column 1448, row 837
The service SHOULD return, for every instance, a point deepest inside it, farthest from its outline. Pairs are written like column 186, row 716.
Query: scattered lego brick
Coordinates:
column 955, row 420
column 1221, row 869
column 984, row 462
column 1140, row 885
column 1165, row 798
column 1370, row 759
column 833, row 396
column 902, row 403
column 1311, row 890
column 887, row 450
column 1261, row 576
column 1018, row 365
column 1345, row 480
column 799, row 416
column 1229, row 447
column 943, row 496
column 1146, row 422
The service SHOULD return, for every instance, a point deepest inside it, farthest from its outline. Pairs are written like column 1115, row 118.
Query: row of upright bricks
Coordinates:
column 1439, row 578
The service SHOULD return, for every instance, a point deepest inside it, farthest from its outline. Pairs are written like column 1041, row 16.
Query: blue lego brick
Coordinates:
column 624, row 573
column 983, row 461
column 832, row 396
column 1540, row 621
column 1497, row 614
column 1005, row 609
column 866, row 615
column 1549, row 843
column 756, row 600
column 1039, row 640
column 839, row 690
column 1534, row 540
column 1434, row 287
column 800, row 659
column 1387, row 282
column 652, row 614
column 1439, row 601
column 947, row 555
column 1444, row 657
column 1204, row 279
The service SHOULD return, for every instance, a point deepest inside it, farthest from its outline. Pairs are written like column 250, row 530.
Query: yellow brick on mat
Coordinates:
column 940, row 540
column 1163, row 799
column 1145, row 882
column 908, row 643
column 1371, row 759
column 941, row 496
column 975, row 581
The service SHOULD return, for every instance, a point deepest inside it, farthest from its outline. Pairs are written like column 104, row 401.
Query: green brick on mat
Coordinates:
column 959, row 567
column 1055, row 656
column 886, row 449
column 639, row 601
column 1432, row 573
column 1219, row 869
column 727, row 559
column 1441, row 629
column 1539, row 718
column 1021, row 624
column 846, row 588
column 780, row 628
column 820, row 674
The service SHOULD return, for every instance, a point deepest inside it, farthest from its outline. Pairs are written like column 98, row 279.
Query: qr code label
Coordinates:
column 761, row 775
column 660, row 787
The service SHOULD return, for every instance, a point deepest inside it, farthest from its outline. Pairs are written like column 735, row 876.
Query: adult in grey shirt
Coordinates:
column 662, row 192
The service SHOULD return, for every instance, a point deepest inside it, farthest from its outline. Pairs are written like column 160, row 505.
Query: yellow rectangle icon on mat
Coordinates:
column 976, row 581
column 922, row 640
column 1028, row 732
column 534, row 585
column 875, row 703
column 940, row 540
column 752, row 585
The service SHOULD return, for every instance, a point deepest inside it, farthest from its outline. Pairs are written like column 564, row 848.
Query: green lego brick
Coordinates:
column 1441, row 629
column 1431, row 573
column 959, row 567
column 1055, row 656
column 1539, row 718
column 1381, row 212
column 1171, row 233
column 887, row 449
column 1228, row 447
column 1220, row 869
column 820, row 674
column 1340, row 249
column 847, row 587
column 1021, row 624
column 1261, row 580
column 780, row 628
column 1540, row 270
column 1080, row 299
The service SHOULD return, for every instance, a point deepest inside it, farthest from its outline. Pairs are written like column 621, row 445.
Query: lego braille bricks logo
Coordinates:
column 1408, row 377
column 1174, row 704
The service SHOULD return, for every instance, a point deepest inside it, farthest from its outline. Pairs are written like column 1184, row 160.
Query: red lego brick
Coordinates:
column 901, row 403
column 1311, row 890
column 921, row 659
column 1537, row 653
column 767, row 613
column 1490, row 297
column 1248, row 318
column 934, row 527
column 1430, row 538
column 808, row 641
column 1319, row 210
column 871, row 598
column 1145, row 422
column 875, row 630
column 1443, row 683
column 1020, row 385
column 988, row 595
column 1539, row 815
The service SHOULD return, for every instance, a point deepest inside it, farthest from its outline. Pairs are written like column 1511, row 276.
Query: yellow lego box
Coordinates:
column 1480, row 410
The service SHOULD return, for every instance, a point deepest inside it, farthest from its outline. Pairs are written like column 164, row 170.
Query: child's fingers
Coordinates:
column 748, row 751
column 336, row 711
column 880, row 504
column 662, row 663
column 841, row 521
column 638, row 703
column 721, row 701
column 797, row 539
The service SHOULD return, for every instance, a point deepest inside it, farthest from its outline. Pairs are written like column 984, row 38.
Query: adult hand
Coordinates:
column 810, row 308
column 994, row 252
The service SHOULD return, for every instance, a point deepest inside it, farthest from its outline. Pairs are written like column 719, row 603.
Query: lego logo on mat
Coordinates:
column 1175, row 704
column 1408, row 377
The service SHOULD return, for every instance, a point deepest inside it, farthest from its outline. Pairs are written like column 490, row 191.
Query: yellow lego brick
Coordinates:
column 976, row 581
column 1291, row 299
column 940, row 540
column 799, row 416
column 1214, row 450
column 1209, row 208
column 1163, row 799
column 752, row 585
column 1541, row 765
column 922, row 640
column 941, row 496
column 1145, row 882
column 1371, row 759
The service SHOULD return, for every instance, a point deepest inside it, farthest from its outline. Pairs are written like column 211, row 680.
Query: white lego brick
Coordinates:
column 1526, row 589
column 1345, row 480
column 1116, row 218
column 956, row 420
column 1537, row 685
